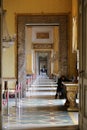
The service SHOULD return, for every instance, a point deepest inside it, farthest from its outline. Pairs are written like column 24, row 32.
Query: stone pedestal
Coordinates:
column 71, row 90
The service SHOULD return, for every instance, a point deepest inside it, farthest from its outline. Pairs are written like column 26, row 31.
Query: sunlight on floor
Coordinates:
column 39, row 108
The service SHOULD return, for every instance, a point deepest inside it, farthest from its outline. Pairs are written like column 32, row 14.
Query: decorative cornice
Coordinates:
column 42, row 46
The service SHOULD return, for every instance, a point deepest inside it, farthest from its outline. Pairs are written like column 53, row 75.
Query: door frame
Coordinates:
column 82, row 64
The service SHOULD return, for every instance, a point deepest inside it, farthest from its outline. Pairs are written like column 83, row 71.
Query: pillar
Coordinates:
column 0, row 65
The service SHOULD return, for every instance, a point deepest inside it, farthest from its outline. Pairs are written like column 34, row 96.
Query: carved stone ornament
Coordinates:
column 42, row 46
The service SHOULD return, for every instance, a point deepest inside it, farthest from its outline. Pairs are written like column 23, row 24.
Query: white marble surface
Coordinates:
column 38, row 109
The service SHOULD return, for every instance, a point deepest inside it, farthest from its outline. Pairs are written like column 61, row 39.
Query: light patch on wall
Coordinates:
column 42, row 34
column 74, row 34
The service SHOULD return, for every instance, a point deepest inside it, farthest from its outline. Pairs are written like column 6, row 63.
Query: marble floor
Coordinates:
column 38, row 109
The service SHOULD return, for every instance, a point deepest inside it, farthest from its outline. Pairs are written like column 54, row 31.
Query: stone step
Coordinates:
column 74, row 127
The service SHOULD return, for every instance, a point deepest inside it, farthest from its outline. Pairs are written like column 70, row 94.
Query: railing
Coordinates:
column 5, row 92
column 17, row 91
column 29, row 80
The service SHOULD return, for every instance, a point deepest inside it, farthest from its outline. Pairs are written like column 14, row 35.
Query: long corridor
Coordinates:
column 39, row 109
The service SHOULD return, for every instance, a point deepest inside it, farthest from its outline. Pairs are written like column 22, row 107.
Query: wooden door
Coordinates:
column 83, row 64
